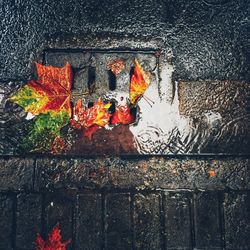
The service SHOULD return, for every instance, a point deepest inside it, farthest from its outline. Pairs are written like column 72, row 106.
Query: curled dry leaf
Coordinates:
column 138, row 84
column 92, row 118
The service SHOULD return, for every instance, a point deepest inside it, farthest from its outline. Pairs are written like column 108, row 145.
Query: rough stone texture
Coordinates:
column 237, row 220
column 28, row 220
column 150, row 173
column 189, row 34
column 207, row 221
column 89, row 217
column 6, row 219
column 59, row 211
column 12, row 125
column 147, row 221
column 16, row 174
column 178, row 233
column 209, row 38
column 164, row 219
column 220, row 109
column 118, row 222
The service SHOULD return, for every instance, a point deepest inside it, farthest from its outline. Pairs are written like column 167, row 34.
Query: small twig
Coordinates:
column 147, row 101
column 146, row 97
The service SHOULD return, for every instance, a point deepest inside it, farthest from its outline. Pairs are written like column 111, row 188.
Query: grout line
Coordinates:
column 104, row 222
column 222, row 219
column 73, row 223
column 34, row 173
column 192, row 220
column 132, row 221
column 183, row 157
column 14, row 221
column 162, row 201
column 124, row 190
column 43, row 220
column 106, row 51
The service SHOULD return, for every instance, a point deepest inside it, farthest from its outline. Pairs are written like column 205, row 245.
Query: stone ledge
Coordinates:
column 16, row 174
column 151, row 173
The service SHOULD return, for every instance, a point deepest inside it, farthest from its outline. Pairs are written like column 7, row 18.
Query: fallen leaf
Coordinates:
column 53, row 242
column 138, row 84
column 122, row 115
column 91, row 119
column 44, row 130
column 116, row 66
column 211, row 173
column 50, row 92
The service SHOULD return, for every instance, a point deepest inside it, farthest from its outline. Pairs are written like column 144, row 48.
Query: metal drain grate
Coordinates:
column 91, row 72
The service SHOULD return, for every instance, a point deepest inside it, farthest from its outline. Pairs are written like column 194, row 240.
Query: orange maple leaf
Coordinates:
column 138, row 84
column 50, row 92
column 116, row 66
column 92, row 118
column 122, row 115
column 54, row 241
column 211, row 173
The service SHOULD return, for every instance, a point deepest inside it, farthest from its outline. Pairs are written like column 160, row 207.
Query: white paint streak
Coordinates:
column 1, row 97
column 29, row 116
column 160, row 119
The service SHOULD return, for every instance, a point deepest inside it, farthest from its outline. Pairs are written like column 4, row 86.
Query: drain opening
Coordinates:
column 112, row 108
column 90, row 104
column 91, row 78
column 112, row 80
column 131, row 72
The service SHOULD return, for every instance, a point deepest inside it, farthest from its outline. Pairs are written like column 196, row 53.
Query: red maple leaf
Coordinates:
column 122, row 115
column 90, row 119
column 53, row 242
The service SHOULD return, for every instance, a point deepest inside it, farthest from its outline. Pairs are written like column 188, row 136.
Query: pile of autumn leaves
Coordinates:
column 49, row 99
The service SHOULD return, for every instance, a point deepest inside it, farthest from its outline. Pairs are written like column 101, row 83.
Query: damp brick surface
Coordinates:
column 89, row 221
column 6, row 219
column 16, row 173
column 28, row 220
column 143, row 220
column 177, row 211
column 152, row 173
column 118, row 221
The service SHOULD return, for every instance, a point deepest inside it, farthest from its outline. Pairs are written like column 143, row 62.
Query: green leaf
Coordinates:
column 44, row 130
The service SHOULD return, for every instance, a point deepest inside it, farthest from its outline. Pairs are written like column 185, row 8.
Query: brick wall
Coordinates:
column 155, row 203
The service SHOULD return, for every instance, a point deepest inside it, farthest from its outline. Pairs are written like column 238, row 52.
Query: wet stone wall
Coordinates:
column 175, row 174
column 155, row 203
